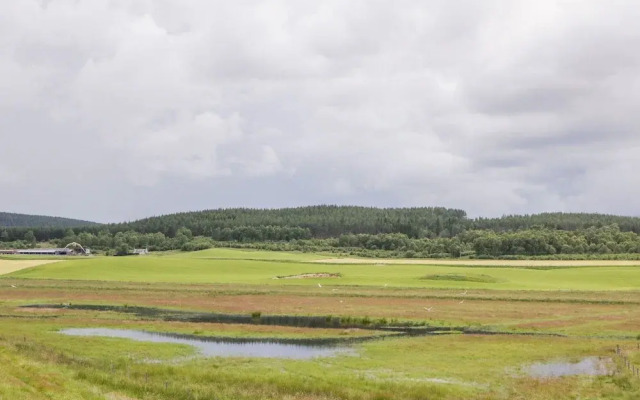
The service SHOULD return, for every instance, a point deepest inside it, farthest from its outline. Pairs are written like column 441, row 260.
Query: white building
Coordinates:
column 46, row 252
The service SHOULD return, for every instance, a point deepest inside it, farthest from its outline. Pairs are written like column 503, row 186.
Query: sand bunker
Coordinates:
column 310, row 276
column 9, row 266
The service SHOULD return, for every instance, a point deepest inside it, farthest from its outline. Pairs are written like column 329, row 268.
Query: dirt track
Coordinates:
column 507, row 263
column 8, row 266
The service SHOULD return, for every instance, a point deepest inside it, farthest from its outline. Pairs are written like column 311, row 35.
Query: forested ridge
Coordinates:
column 365, row 231
column 320, row 221
column 39, row 221
column 560, row 221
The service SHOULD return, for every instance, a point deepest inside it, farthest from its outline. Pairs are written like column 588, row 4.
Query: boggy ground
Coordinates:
column 576, row 313
column 40, row 363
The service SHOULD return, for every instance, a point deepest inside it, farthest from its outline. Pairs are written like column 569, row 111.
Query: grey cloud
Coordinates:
column 152, row 107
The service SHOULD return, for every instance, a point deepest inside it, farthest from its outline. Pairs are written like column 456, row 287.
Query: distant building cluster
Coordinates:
column 46, row 252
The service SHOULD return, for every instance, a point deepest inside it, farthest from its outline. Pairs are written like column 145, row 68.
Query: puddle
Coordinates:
column 216, row 347
column 592, row 366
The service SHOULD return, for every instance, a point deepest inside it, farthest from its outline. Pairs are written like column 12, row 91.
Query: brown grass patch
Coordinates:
column 547, row 324
column 461, row 309
column 626, row 326
column 38, row 310
column 119, row 396
column 541, row 311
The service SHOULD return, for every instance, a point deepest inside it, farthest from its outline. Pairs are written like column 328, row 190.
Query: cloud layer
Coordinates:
column 114, row 110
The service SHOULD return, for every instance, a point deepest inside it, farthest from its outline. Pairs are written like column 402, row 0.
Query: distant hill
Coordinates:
column 11, row 220
column 315, row 222
column 320, row 221
column 557, row 220
column 325, row 221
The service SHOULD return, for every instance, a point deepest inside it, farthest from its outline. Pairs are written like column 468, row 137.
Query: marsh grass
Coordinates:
column 447, row 367
column 256, row 317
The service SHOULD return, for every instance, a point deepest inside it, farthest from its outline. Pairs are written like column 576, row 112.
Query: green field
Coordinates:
column 249, row 267
column 518, row 316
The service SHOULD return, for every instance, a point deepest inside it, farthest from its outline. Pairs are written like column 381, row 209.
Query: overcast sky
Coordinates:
column 116, row 110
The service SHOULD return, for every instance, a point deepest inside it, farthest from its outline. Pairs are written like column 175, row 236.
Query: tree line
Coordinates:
column 559, row 221
column 593, row 241
column 598, row 243
column 401, row 232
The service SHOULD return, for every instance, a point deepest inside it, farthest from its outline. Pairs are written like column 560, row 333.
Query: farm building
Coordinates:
column 71, row 249
column 45, row 252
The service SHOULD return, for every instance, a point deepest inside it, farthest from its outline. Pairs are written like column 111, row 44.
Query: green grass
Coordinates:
column 248, row 254
column 229, row 266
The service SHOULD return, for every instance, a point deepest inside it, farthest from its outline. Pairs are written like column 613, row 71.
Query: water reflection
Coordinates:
column 592, row 366
column 216, row 347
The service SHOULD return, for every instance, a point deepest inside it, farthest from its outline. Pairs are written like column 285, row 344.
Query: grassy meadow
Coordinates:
column 503, row 318
column 260, row 268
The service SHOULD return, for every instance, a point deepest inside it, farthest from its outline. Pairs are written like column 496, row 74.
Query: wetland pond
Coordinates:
column 221, row 347
column 592, row 366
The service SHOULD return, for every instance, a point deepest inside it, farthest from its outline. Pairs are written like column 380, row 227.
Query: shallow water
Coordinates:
column 215, row 347
column 592, row 366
